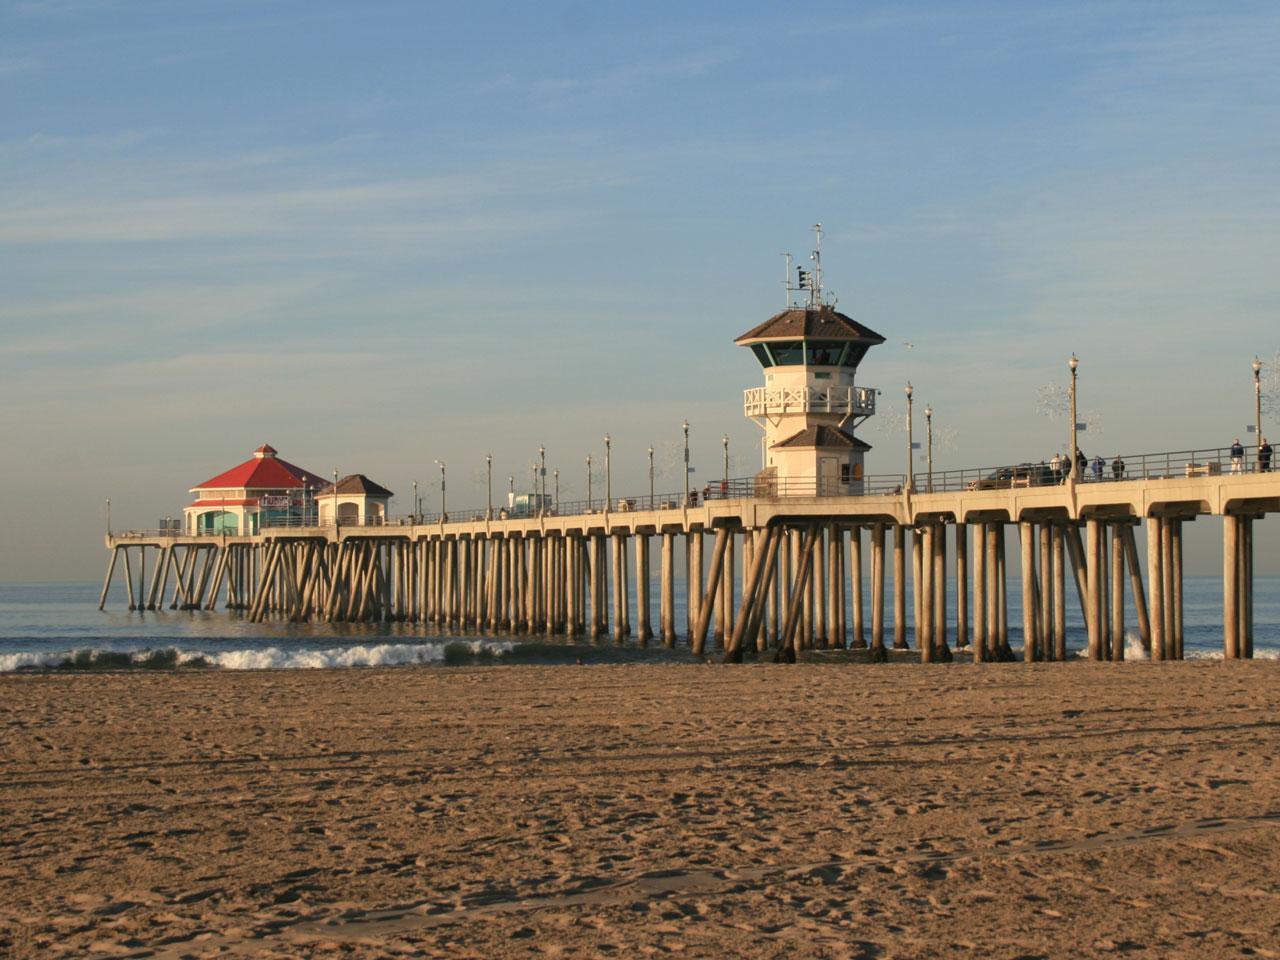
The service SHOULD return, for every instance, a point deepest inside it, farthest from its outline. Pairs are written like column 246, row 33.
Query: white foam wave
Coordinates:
column 29, row 661
column 275, row 658
column 1268, row 654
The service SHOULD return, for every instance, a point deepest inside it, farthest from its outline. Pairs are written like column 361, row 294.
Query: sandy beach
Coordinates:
column 641, row 809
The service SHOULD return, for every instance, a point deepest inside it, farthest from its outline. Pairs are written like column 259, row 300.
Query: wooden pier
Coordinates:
column 782, row 573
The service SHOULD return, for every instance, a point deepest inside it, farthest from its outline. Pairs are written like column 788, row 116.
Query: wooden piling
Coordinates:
column 1230, row 586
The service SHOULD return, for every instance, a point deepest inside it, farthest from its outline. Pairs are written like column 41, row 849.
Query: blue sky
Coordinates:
column 380, row 234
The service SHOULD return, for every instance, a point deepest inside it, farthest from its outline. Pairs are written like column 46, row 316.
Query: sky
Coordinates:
column 379, row 235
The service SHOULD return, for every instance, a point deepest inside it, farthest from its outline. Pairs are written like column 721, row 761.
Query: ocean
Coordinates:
column 52, row 625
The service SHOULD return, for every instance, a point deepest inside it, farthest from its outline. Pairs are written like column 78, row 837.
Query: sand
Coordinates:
column 635, row 810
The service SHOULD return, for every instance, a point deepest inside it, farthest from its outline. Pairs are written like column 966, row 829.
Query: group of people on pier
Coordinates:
column 1237, row 456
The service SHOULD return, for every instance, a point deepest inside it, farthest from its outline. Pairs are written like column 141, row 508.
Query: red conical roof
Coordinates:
column 264, row 471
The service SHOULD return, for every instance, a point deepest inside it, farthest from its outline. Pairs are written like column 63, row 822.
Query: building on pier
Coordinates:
column 261, row 491
column 355, row 499
column 810, row 402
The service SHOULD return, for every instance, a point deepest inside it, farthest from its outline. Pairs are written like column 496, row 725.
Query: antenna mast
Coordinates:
column 815, row 290
column 786, row 282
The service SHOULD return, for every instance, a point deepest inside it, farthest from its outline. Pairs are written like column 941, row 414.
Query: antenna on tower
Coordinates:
column 815, row 289
column 786, row 281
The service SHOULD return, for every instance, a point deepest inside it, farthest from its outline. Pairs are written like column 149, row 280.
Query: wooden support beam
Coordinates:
column 106, row 581
column 707, row 607
column 859, row 640
column 979, row 645
column 878, row 652
column 899, row 587
column 1155, row 579
column 1027, row 537
column 1230, row 587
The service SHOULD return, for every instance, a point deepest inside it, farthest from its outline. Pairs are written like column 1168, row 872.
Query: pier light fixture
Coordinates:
column 542, row 472
column 911, row 469
column 686, row 463
column 608, row 473
column 928, row 429
column 488, row 486
column 511, row 485
column 440, row 463
column 1257, row 400
column 556, row 472
column 650, row 476
column 725, row 441
column 415, row 501
column 588, row 483
column 335, row 499
column 1073, row 363
column 108, row 516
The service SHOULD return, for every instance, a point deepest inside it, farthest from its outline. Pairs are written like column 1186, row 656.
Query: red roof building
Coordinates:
column 263, row 489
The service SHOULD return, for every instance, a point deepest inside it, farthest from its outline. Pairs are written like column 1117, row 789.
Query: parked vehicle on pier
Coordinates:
column 1018, row 475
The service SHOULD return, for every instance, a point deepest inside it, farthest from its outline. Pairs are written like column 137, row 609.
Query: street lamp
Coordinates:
column 911, row 469
column 725, row 441
column 306, row 495
column 1073, row 363
column 415, row 502
column 1257, row 400
column 442, row 486
column 650, row 476
column 608, row 474
column 557, row 500
column 588, row 483
column 928, row 429
column 686, row 463
column 542, row 472
column 488, row 486
column 335, row 500
column 108, row 516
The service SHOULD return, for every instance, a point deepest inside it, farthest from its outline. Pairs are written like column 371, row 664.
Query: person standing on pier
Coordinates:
column 1264, row 456
column 1097, row 467
column 1117, row 468
column 1237, row 456
column 1056, row 466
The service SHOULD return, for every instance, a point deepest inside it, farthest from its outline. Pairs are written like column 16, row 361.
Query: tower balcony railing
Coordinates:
column 847, row 401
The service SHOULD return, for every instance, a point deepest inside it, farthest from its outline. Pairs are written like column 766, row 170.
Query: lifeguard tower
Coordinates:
column 810, row 403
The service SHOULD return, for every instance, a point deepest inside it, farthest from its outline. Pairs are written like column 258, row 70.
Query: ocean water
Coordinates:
column 46, row 625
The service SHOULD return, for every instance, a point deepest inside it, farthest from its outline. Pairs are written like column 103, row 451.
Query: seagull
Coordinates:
column 908, row 344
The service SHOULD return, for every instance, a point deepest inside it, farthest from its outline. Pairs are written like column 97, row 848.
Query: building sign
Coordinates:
column 275, row 501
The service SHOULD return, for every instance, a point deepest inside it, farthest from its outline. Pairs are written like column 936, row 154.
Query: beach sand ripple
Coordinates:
column 835, row 811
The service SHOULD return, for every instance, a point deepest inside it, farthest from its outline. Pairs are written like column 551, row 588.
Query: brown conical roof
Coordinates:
column 355, row 483
column 826, row 437
column 812, row 323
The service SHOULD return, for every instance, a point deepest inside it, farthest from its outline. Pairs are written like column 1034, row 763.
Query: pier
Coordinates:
column 767, row 572
column 771, row 564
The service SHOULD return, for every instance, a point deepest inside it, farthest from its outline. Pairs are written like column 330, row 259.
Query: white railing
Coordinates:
column 848, row 401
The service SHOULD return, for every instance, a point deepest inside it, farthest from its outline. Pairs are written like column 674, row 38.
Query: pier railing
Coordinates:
column 1209, row 462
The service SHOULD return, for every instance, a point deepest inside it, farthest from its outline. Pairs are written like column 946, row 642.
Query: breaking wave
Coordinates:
column 261, row 658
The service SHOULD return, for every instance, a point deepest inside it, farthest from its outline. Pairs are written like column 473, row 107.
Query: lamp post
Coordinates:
column 1073, row 363
column 108, row 516
column 686, row 463
column 488, row 486
column 306, row 495
column 725, row 441
column 335, row 500
column 588, row 483
column 511, row 490
column 542, row 472
column 415, row 502
column 608, row 474
column 651, row 476
column 1257, row 401
column 557, row 500
column 928, row 429
column 911, row 469
column 442, row 486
